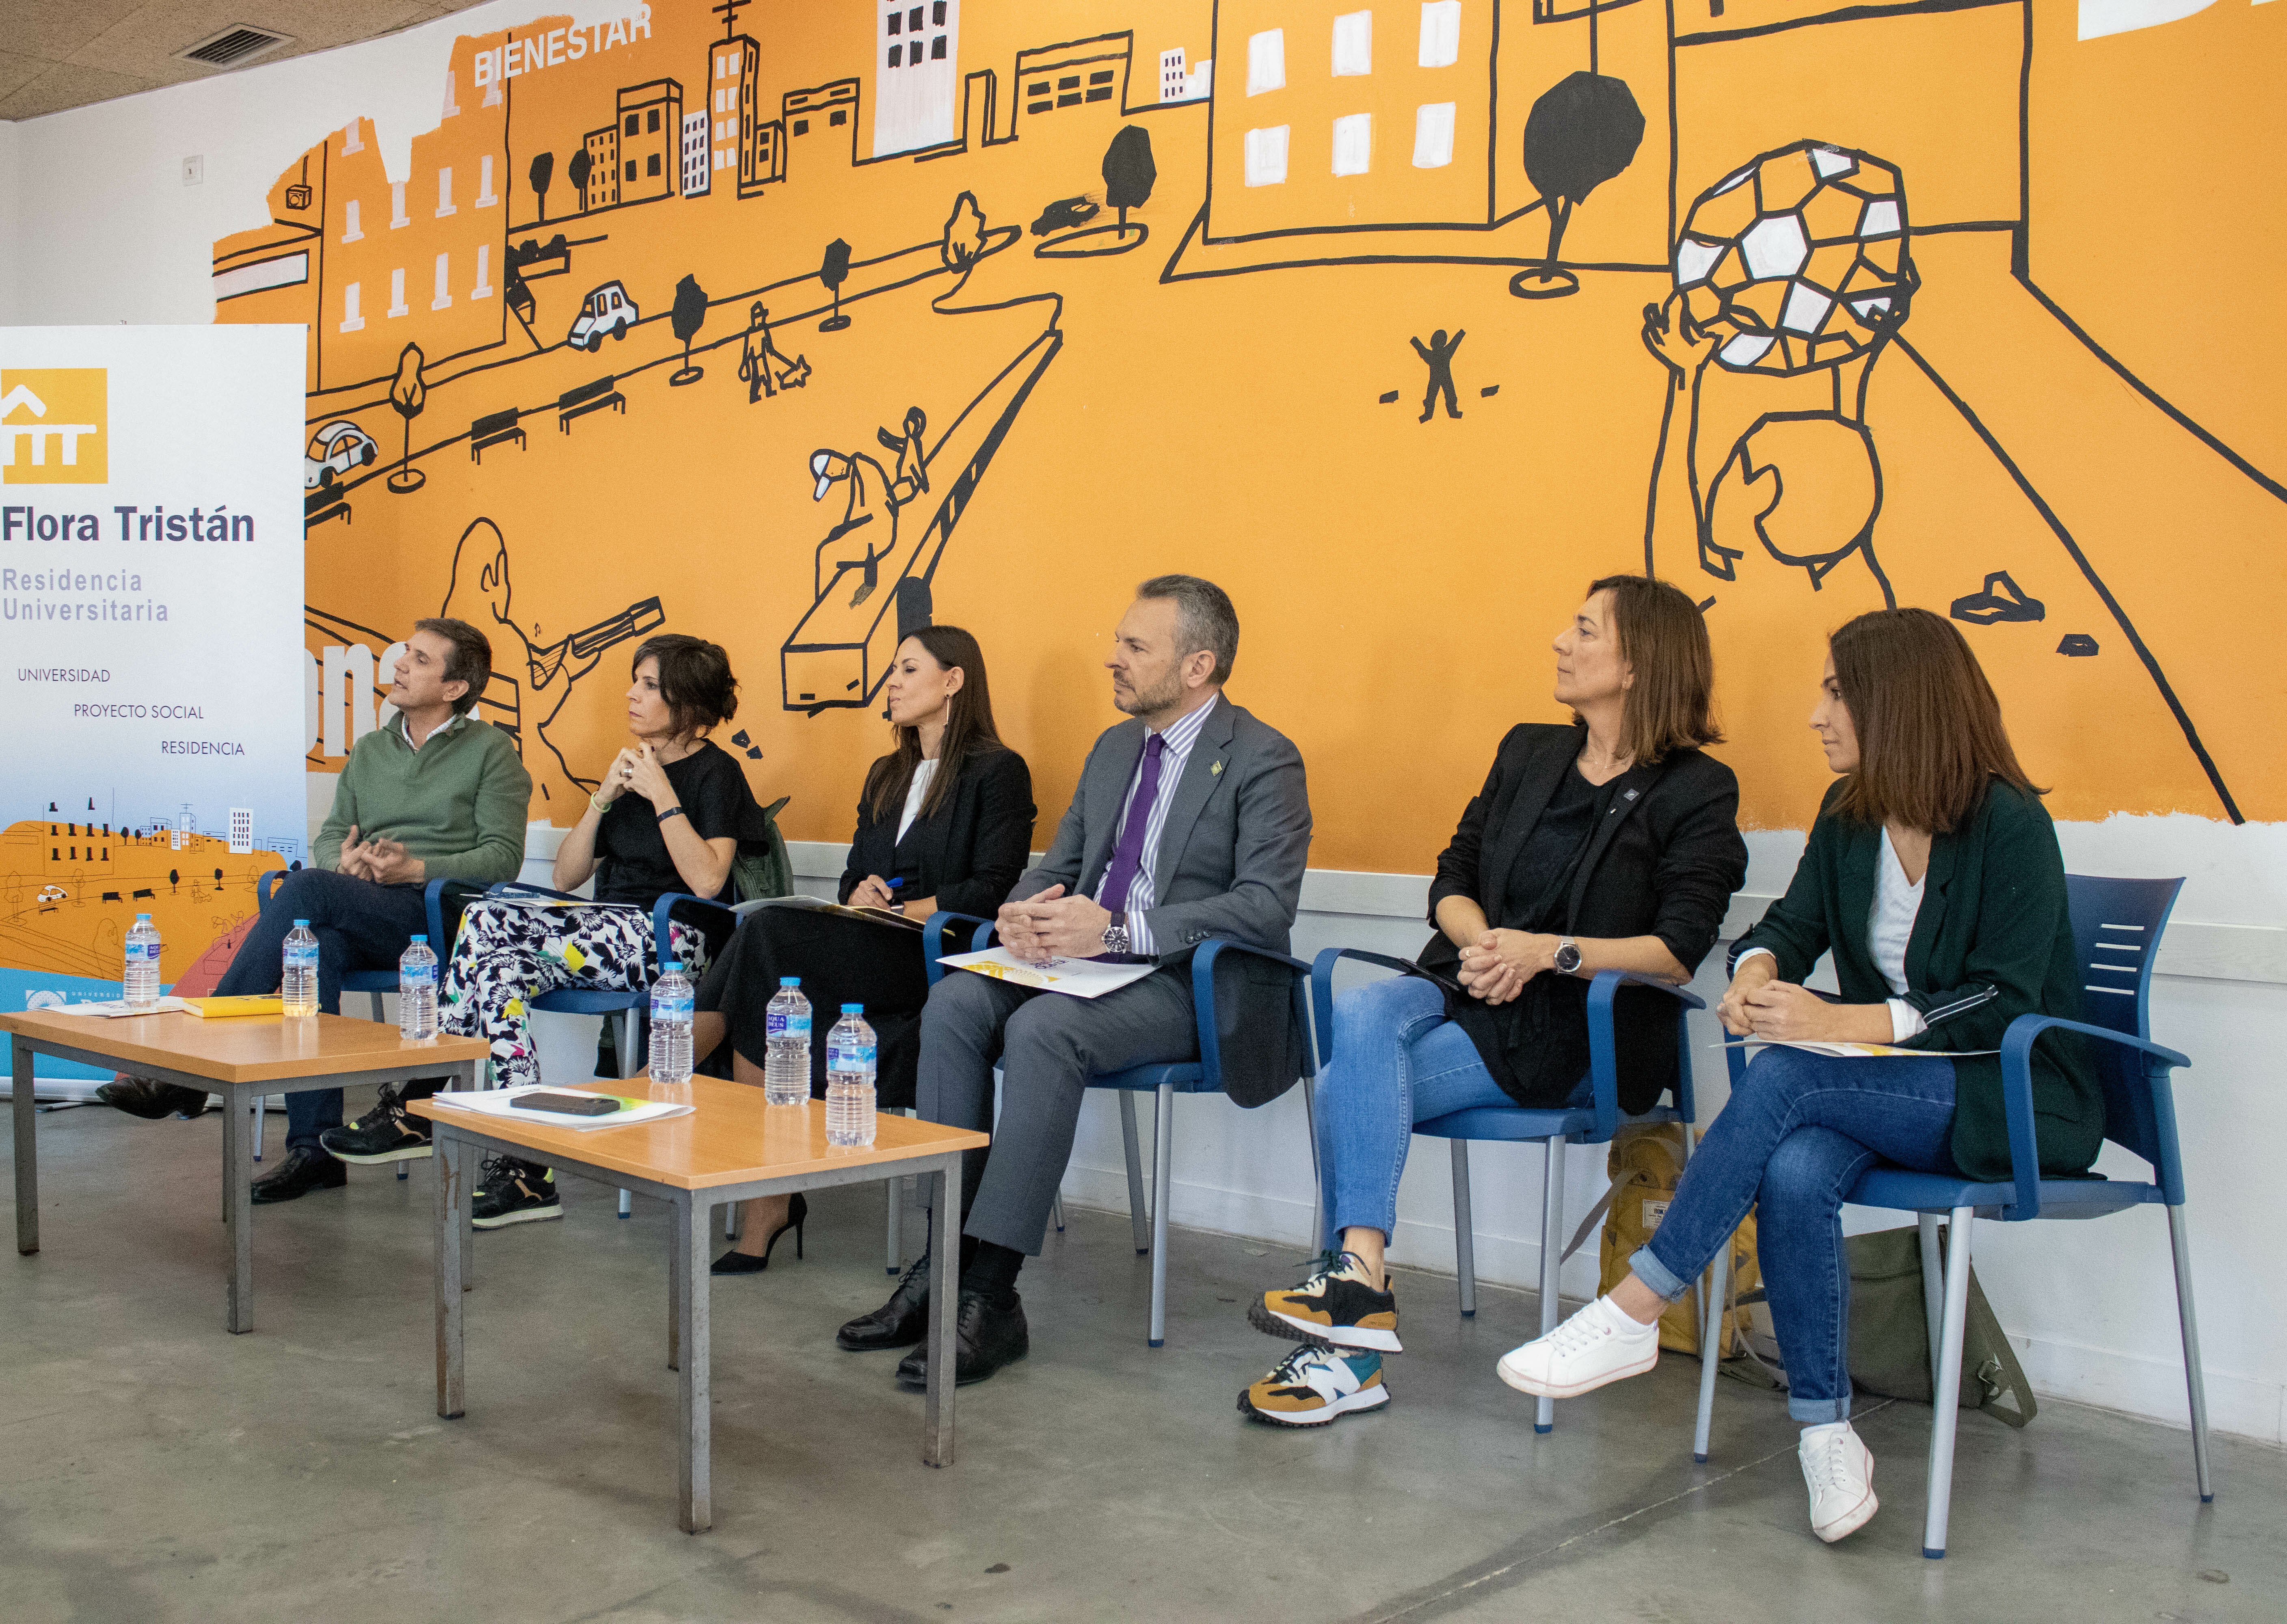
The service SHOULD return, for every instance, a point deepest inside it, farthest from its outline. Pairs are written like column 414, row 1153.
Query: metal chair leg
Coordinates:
column 1933, row 1286
column 2195, row 1383
column 1318, row 1173
column 1465, row 1232
column 1163, row 1164
column 1137, row 1219
column 1552, row 1246
column 731, row 1209
column 1711, row 1344
column 1056, row 1211
column 627, row 1048
column 1947, row 1404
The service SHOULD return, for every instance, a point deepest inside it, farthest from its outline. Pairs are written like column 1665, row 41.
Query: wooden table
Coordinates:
column 240, row 1060
column 731, row 1147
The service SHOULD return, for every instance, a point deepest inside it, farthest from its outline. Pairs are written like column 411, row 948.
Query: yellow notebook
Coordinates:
column 230, row 1009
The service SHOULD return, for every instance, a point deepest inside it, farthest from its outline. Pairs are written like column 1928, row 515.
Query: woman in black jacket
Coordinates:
column 1611, row 843
column 944, row 822
column 1933, row 876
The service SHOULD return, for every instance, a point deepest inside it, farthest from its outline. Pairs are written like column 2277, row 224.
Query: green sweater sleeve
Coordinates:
column 503, row 795
column 326, row 851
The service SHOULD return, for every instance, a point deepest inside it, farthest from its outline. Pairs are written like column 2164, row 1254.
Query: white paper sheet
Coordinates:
column 112, row 1009
column 1078, row 978
column 494, row 1102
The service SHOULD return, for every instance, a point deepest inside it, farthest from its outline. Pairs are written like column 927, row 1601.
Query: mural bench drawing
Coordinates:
column 494, row 430
column 586, row 398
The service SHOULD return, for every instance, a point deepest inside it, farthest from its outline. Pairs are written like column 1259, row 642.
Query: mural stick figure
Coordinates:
column 480, row 571
column 757, row 353
column 1794, row 265
column 1439, row 357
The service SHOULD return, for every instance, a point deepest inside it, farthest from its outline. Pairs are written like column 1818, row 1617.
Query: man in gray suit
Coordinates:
column 1192, row 820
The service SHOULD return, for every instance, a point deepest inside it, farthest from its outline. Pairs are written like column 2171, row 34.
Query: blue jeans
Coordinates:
column 359, row 925
column 1397, row 1061
column 1798, row 1131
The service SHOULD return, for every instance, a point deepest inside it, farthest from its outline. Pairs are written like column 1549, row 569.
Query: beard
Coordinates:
column 1143, row 702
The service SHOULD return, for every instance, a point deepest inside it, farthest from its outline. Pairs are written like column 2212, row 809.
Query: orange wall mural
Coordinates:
column 791, row 324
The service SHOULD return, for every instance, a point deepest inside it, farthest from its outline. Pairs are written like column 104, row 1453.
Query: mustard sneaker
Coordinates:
column 1337, row 1304
column 1315, row 1385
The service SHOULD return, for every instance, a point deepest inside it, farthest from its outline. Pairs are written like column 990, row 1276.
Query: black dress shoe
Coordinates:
column 984, row 1339
column 736, row 1262
column 299, row 1173
column 898, row 1323
column 150, row 1099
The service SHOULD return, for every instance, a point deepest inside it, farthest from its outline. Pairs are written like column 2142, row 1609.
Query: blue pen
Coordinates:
column 895, row 905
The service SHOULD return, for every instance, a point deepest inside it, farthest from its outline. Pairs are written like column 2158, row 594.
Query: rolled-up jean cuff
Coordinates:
column 1818, row 1412
column 1656, row 1274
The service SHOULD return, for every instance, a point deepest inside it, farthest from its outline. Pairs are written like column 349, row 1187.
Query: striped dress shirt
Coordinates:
column 1175, row 749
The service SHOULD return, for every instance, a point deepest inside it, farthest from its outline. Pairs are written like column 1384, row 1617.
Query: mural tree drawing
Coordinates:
column 1129, row 175
column 577, row 172
column 834, row 270
column 688, row 316
column 408, row 394
column 1583, row 132
column 963, row 242
column 1128, row 172
column 542, row 172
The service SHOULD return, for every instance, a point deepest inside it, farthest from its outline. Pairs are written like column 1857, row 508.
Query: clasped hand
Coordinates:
column 1759, row 1004
column 638, row 769
column 381, row 860
column 1053, row 925
column 1497, row 965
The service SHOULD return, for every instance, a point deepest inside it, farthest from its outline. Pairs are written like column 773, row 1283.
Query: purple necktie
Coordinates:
column 1127, row 861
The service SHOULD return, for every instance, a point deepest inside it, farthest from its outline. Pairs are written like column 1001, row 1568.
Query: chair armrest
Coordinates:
column 1203, row 999
column 433, row 903
column 266, row 884
column 933, row 946
column 1603, row 1057
column 1322, row 990
column 661, row 937
column 2017, row 1105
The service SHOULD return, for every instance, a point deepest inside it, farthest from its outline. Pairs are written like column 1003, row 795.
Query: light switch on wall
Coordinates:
column 194, row 170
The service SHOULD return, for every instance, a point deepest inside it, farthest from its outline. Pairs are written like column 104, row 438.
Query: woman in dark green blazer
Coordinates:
column 1933, row 876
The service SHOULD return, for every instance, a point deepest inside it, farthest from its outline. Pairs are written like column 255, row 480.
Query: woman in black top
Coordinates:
column 1611, row 843
column 944, row 822
column 669, row 815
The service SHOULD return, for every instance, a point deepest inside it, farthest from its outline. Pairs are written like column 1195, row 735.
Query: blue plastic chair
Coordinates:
column 371, row 983
column 1553, row 1129
column 2115, row 925
column 626, row 1008
column 1203, row 1076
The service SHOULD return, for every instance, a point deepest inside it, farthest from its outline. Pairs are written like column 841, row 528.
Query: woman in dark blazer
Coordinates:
column 1611, row 843
column 944, row 822
column 1933, row 876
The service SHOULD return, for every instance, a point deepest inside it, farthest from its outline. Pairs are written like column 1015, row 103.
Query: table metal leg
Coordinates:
column 238, row 1207
column 693, row 1230
column 27, row 1157
column 452, row 1218
column 945, row 1290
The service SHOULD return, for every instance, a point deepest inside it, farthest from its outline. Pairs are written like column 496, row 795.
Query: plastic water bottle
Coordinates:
column 850, row 1079
column 417, row 991
column 670, row 1028
column 300, row 986
column 786, row 1068
column 140, row 984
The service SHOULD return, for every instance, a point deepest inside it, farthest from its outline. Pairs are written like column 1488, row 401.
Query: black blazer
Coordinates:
column 1664, row 863
column 1993, row 940
column 970, row 854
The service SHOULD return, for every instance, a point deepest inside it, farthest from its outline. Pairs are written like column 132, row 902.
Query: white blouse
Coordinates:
column 924, row 771
column 1889, row 928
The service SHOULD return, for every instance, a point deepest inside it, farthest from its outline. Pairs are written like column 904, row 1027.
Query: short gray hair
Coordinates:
column 1204, row 619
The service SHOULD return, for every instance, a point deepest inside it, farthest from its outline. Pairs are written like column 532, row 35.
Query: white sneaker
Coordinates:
column 1841, row 1473
column 1596, row 1345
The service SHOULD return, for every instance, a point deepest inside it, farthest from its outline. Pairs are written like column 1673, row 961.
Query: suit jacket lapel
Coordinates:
column 1535, row 788
column 1203, row 771
column 1103, row 790
column 1630, row 793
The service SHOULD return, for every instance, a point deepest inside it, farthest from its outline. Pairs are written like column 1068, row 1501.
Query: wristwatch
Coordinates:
column 1115, row 934
column 1568, row 956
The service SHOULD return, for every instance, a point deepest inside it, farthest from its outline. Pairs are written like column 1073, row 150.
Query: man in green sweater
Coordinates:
column 436, row 794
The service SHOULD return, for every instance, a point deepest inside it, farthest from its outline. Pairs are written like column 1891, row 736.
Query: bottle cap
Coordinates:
column 421, row 941
column 790, row 981
column 301, row 925
column 142, row 918
column 853, row 1009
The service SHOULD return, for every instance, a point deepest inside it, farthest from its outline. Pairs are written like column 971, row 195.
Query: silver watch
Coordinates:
column 1568, row 956
column 1115, row 934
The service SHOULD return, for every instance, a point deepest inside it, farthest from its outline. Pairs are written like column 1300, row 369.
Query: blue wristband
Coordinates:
column 670, row 812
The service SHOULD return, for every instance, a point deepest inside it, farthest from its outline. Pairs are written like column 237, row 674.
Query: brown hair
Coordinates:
column 470, row 660
column 968, row 726
column 1929, row 724
column 694, row 679
column 1671, row 704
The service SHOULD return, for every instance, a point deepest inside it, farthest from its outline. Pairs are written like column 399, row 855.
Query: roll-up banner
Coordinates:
column 151, row 699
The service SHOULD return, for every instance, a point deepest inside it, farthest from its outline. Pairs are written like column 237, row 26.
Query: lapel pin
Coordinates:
column 1215, row 771
column 1631, row 795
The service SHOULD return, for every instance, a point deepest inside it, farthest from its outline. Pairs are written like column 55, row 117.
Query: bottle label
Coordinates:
column 142, row 952
column 779, row 1024
column 301, row 957
column 410, row 976
column 670, row 1006
column 851, row 1057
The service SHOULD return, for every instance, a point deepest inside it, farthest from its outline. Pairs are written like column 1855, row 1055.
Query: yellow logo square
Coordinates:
column 54, row 426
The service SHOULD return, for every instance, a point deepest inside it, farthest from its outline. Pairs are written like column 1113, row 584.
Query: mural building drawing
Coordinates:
column 708, row 317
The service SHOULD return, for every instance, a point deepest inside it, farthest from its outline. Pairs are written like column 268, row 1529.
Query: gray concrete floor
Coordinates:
column 152, row 1466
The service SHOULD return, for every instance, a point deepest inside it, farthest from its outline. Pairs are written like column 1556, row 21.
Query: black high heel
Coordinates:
column 735, row 1262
